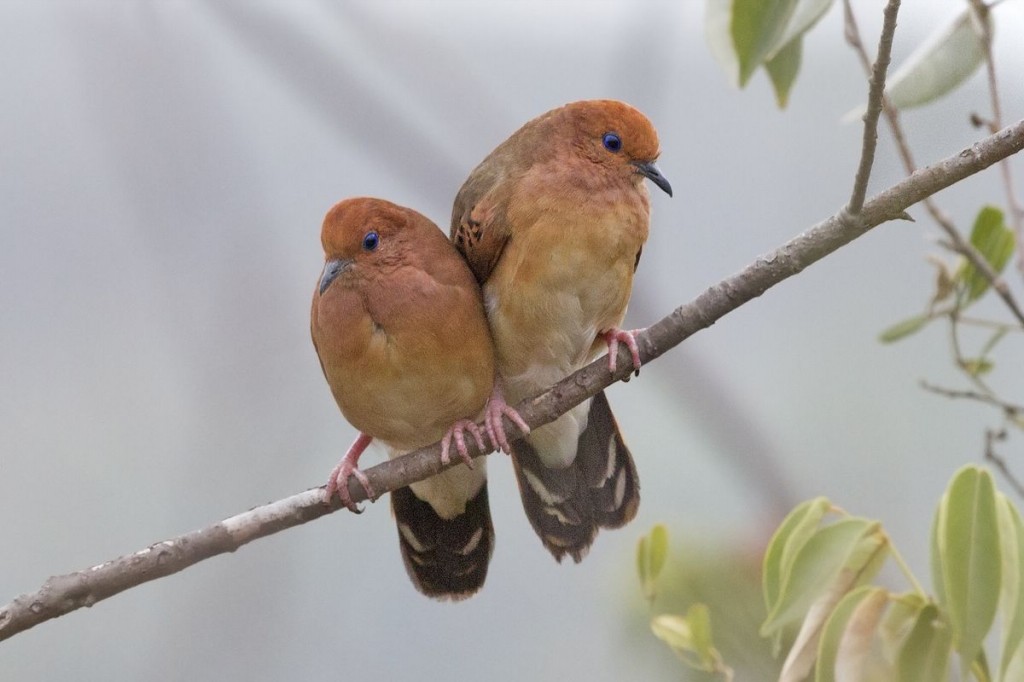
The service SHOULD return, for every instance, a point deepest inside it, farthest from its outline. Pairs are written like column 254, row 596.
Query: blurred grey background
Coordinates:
column 164, row 168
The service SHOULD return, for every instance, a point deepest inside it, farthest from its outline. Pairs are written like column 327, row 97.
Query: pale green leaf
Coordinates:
column 699, row 619
column 718, row 33
column 945, row 280
column 899, row 620
column 658, row 549
column 806, row 14
column 783, row 68
column 690, row 639
column 674, row 631
column 831, row 562
column 995, row 242
column 977, row 367
column 802, row 655
column 862, row 562
column 756, row 27
column 651, row 552
column 924, row 656
column 798, row 526
column 854, row 657
column 969, row 551
column 980, row 668
column 903, row 329
column 1015, row 669
column 828, row 646
column 993, row 340
column 945, row 60
column 935, row 557
column 1011, row 596
column 642, row 568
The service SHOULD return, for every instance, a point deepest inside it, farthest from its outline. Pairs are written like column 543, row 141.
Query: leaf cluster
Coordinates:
column 836, row 623
column 746, row 35
column 817, row 581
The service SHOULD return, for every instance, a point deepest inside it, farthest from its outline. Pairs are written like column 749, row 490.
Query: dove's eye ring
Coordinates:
column 371, row 241
column 612, row 142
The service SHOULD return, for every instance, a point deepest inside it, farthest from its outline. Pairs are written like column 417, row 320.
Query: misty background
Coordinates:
column 164, row 170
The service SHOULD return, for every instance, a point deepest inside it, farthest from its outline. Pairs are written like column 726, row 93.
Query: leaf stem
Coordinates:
column 905, row 569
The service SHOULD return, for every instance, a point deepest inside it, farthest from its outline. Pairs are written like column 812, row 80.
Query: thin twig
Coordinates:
column 62, row 594
column 976, row 321
column 1008, row 408
column 961, row 360
column 1016, row 210
column 876, row 92
column 960, row 245
column 991, row 436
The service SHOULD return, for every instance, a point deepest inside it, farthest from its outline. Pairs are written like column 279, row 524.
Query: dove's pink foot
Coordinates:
column 458, row 433
column 613, row 337
column 493, row 413
column 337, row 482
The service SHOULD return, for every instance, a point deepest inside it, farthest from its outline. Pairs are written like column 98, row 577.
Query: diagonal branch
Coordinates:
column 62, row 594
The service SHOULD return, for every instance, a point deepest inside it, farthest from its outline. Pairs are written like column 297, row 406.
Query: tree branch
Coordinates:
column 1009, row 409
column 959, row 244
column 876, row 101
column 991, row 436
column 1016, row 211
column 62, row 594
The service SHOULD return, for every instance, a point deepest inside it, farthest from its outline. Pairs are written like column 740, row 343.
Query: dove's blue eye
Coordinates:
column 612, row 142
column 370, row 241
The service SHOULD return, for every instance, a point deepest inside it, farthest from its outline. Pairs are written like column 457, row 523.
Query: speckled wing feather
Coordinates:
column 479, row 229
column 445, row 558
column 599, row 489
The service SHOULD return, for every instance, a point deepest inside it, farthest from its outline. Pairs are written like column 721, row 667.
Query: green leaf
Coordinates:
column 1011, row 596
column 995, row 241
column 674, row 631
column 904, row 328
column 855, row 656
column 863, row 557
column 1015, row 670
column 798, row 526
column 718, row 33
column 756, row 27
column 976, row 367
column 980, row 669
column 782, row 69
column 935, row 559
column 806, row 14
column 651, row 552
column 924, row 656
column 861, row 562
column 803, row 653
column 969, row 554
column 699, row 619
column 944, row 61
column 996, row 337
column 899, row 621
column 835, row 626
column 689, row 637
column 944, row 279
column 830, row 563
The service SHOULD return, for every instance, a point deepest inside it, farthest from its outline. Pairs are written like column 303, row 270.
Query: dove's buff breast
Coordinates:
column 395, row 382
column 564, row 277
